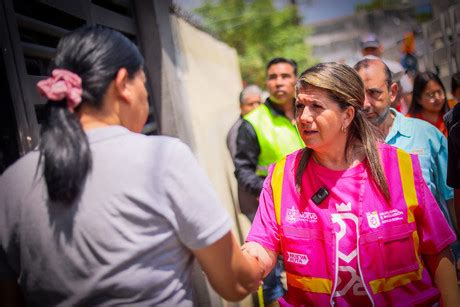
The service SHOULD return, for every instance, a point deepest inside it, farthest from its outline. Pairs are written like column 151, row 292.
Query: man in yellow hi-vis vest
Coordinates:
column 266, row 135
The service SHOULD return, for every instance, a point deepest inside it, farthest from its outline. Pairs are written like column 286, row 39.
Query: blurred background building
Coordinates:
column 435, row 24
column 339, row 39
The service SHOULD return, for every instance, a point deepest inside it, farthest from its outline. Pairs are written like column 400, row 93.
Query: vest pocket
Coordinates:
column 398, row 252
column 307, row 252
column 396, row 262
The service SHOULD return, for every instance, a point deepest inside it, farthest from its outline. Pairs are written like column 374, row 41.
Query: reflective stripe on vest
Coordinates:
column 309, row 284
column 277, row 187
column 276, row 135
column 322, row 285
column 410, row 196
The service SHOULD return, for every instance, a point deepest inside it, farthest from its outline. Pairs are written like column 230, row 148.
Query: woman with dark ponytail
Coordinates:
column 100, row 214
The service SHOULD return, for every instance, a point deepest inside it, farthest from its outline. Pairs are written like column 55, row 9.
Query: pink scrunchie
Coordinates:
column 62, row 84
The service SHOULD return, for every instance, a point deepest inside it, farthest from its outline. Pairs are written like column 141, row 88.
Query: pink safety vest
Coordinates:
column 389, row 257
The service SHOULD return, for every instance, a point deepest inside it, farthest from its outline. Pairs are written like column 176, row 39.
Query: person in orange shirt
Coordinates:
column 429, row 101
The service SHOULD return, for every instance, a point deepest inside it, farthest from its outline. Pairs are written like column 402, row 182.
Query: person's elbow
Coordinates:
column 238, row 293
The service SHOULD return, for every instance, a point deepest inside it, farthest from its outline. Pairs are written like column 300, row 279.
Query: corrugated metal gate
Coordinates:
column 29, row 32
column 442, row 36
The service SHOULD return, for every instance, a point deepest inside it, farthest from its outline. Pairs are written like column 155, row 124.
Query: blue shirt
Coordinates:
column 420, row 137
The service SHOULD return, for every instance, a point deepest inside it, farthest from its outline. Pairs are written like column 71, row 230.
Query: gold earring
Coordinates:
column 343, row 129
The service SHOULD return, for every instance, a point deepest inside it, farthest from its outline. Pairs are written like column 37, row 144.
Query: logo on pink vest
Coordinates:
column 293, row 215
column 373, row 219
column 297, row 258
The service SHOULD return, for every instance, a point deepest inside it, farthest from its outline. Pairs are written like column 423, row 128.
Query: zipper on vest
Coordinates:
column 362, row 275
column 358, row 233
column 336, row 273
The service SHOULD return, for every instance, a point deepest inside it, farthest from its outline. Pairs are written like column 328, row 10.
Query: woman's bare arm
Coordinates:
column 442, row 269
column 232, row 273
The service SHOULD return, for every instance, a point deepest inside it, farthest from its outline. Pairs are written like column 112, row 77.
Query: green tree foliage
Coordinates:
column 259, row 32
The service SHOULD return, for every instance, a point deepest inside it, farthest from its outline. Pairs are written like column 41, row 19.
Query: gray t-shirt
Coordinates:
column 145, row 204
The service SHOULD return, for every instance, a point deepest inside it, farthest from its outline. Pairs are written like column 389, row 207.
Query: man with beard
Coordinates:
column 410, row 134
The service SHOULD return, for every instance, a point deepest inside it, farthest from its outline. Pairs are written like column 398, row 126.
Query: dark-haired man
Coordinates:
column 266, row 135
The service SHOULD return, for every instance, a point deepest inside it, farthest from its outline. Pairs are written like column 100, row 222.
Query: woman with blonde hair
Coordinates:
column 353, row 218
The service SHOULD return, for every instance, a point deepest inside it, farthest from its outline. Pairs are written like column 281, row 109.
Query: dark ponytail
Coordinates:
column 95, row 54
column 66, row 153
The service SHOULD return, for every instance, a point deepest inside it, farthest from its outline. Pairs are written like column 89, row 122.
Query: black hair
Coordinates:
column 365, row 63
column 420, row 82
column 95, row 54
column 455, row 82
column 282, row 60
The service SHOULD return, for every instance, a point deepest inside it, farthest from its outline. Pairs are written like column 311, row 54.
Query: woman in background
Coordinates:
column 100, row 214
column 429, row 100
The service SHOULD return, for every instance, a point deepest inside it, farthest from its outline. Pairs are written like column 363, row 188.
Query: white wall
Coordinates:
column 209, row 80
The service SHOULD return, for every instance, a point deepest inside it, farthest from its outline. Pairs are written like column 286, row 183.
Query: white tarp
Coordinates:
column 209, row 83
